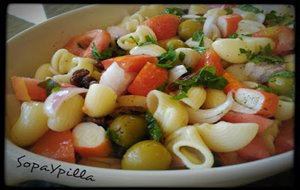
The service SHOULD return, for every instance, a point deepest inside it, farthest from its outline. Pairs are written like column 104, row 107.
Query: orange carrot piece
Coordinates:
column 149, row 78
column 56, row 145
column 233, row 84
column 164, row 26
column 270, row 105
column 130, row 63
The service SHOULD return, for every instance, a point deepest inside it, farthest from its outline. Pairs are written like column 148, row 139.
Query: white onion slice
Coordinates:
column 176, row 72
column 55, row 99
column 116, row 78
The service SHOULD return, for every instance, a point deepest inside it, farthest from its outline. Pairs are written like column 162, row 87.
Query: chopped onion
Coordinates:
column 176, row 72
column 116, row 78
column 55, row 99
column 116, row 31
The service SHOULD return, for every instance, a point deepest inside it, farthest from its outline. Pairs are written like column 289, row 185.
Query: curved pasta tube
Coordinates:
column 285, row 109
column 132, row 100
column 43, row 72
column 80, row 63
column 131, row 40
column 61, row 61
column 100, row 100
column 210, row 115
column 188, row 145
column 191, row 58
column 196, row 97
column 130, row 23
column 148, row 11
column 226, row 137
column 151, row 49
column 169, row 113
column 270, row 134
column 176, row 72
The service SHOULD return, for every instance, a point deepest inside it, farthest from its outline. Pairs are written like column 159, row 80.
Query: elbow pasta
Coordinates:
column 188, row 145
column 151, row 49
column 169, row 113
column 270, row 134
column 191, row 58
column 43, row 72
column 285, row 109
column 68, row 115
column 100, row 101
column 132, row 100
column 62, row 61
column 131, row 40
column 226, row 137
column 79, row 63
column 196, row 97
column 31, row 125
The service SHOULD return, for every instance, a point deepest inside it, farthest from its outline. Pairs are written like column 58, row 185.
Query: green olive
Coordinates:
column 127, row 129
column 146, row 155
column 188, row 27
column 281, row 85
column 175, row 43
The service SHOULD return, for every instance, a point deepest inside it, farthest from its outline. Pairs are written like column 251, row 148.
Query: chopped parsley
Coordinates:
column 206, row 77
column 181, row 56
column 153, row 128
column 201, row 19
column 234, row 35
column 149, row 40
column 264, row 55
column 167, row 60
column 198, row 36
column 106, row 53
column 285, row 74
column 174, row 10
column 272, row 19
column 228, row 11
column 50, row 86
column 249, row 8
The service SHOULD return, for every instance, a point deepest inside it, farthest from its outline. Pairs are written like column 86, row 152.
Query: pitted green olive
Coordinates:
column 146, row 155
column 127, row 129
column 188, row 27
column 281, row 85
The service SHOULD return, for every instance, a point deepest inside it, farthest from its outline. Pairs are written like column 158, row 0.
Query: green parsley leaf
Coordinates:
column 273, row 19
column 162, row 87
column 285, row 74
column 201, row 19
column 104, row 54
column 263, row 87
column 249, row 8
column 234, row 35
column 50, row 86
column 149, row 40
column 181, row 56
column 206, row 77
column 174, row 10
column 228, row 11
column 264, row 55
column 167, row 59
column 153, row 128
column 113, row 135
column 198, row 36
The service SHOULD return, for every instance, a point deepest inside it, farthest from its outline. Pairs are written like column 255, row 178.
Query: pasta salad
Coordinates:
column 167, row 88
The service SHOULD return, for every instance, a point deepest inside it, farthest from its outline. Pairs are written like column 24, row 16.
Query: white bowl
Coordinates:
column 35, row 46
